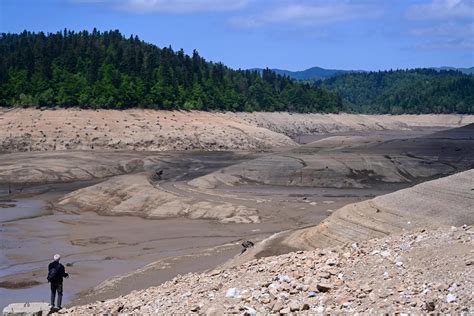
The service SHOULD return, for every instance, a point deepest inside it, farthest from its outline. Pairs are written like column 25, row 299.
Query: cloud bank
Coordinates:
column 308, row 13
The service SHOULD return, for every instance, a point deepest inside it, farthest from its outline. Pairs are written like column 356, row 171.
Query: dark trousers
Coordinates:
column 56, row 287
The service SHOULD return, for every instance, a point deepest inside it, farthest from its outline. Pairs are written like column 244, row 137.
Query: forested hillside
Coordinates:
column 107, row 70
column 405, row 91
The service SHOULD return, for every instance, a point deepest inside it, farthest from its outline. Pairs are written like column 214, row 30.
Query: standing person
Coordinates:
column 56, row 273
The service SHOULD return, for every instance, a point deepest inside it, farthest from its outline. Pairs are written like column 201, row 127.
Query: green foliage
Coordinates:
column 107, row 70
column 405, row 91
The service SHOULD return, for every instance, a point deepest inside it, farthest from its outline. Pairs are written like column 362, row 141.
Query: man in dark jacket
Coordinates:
column 56, row 273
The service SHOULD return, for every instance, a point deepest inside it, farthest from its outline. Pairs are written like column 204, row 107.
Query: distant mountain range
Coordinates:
column 318, row 73
column 313, row 73
column 467, row 71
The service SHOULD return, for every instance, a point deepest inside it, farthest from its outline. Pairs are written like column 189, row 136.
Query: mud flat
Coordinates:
column 355, row 162
column 142, row 252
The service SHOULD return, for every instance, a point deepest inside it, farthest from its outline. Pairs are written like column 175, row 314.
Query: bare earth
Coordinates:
column 105, row 187
column 150, row 130
column 395, row 273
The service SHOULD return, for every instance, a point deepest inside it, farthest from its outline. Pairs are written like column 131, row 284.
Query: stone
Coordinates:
column 366, row 288
column 312, row 294
column 284, row 278
column 331, row 262
column 196, row 308
column 324, row 275
column 430, row 306
column 285, row 310
column 450, row 298
column 265, row 299
column 323, row 287
column 294, row 306
column 27, row 309
column 277, row 306
column 249, row 311
column 187, row 294
column 233, row 293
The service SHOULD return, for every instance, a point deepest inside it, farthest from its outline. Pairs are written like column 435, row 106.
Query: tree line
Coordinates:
column 405, row 91
column 108, row 70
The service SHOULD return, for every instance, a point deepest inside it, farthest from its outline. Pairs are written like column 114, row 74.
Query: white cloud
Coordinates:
column 182, row 6
column 443, row 24
column 447, row 30
column 442, row 10
column 446, row 44
column 307, row 14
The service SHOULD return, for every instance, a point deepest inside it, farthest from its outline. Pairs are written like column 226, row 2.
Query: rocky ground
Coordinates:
column 417, row 271
column 150, row 130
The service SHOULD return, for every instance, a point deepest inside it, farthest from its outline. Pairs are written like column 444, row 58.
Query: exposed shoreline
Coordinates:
column 284, row 202
column 158, row 130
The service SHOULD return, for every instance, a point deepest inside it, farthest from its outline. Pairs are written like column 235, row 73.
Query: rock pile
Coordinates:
column 419, row 271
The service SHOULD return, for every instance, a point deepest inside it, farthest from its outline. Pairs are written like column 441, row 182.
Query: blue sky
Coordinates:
column 295, row 35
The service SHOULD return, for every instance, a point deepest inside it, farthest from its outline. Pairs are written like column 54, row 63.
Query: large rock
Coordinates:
column 27, row 309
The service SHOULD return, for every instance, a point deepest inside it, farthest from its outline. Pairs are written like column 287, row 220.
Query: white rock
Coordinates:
column 450, row 298
column 284, row 278
column 186, row 294
column 233, row 293
column 250, row 311
column 27, row 309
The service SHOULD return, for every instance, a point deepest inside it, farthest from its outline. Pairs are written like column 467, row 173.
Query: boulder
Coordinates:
column 27, row 309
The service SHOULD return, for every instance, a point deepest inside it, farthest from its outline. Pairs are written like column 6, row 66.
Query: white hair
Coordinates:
column 56, row 257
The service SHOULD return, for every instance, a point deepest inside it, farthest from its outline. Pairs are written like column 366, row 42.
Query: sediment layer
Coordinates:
column 138, row 129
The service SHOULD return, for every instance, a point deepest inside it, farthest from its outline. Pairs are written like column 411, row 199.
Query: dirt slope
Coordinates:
column 66, row 129
column 35, row 130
